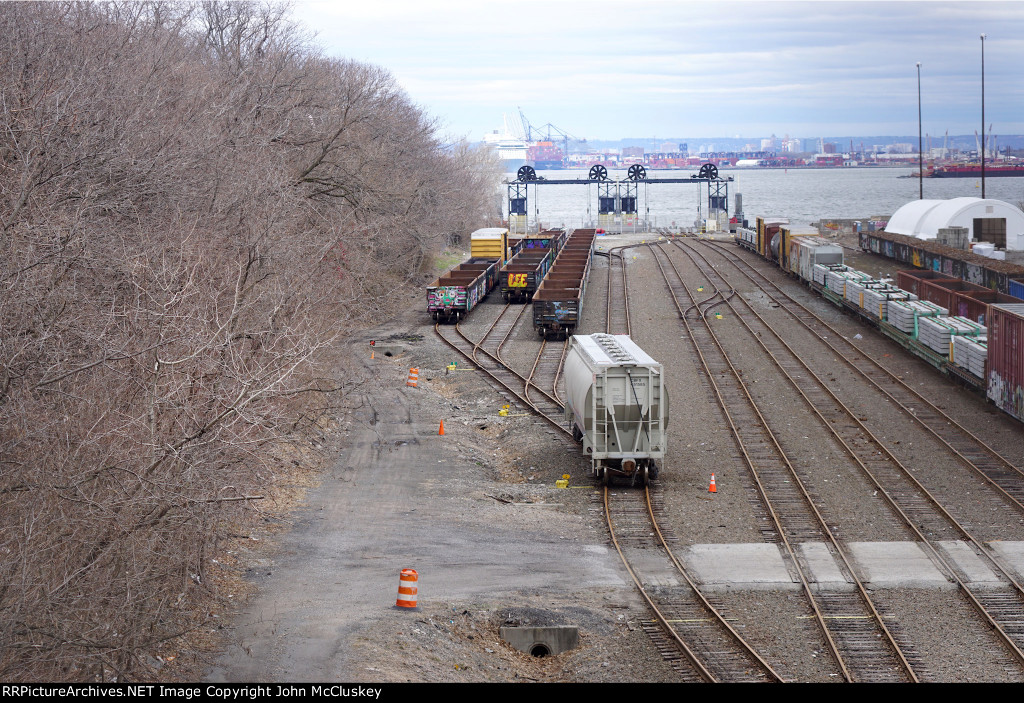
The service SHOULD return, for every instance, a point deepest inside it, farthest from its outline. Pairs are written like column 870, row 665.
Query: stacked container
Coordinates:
column 1006, row 358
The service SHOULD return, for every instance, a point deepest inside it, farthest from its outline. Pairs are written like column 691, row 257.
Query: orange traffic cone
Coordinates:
column 441, row 430
column 712, row 488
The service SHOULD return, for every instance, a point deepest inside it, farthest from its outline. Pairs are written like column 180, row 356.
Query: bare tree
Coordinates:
column 194, row 205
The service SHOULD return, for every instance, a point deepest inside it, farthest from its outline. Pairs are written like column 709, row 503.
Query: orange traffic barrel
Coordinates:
column 414, row 376
column 407, row 589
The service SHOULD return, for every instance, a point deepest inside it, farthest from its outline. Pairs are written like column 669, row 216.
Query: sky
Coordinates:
column 613, row 69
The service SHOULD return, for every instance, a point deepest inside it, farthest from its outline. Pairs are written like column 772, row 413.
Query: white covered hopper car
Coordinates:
column 617, row 405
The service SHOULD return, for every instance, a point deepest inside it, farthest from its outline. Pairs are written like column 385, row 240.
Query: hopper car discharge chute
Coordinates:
column 617, row 406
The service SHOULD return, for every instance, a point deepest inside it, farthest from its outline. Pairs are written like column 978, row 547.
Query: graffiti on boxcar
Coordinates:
column 1007, row 396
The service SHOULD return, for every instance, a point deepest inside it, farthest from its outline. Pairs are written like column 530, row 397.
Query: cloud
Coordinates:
column 602, row 69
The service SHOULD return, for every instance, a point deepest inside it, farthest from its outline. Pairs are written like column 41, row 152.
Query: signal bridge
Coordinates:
column 617, row 200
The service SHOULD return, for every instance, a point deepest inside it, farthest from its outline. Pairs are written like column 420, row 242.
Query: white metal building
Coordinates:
column 993, row 221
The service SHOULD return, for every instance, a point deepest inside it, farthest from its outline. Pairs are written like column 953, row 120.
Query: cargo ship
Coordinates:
column 995, row 170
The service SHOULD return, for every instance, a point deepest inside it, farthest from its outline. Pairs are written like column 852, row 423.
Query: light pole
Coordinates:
column 982, row 117
column 920, row 143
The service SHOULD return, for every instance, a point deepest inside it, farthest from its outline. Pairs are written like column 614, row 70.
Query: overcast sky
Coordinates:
column 610, row 69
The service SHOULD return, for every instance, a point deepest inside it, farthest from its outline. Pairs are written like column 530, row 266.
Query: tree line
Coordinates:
column 196, row 207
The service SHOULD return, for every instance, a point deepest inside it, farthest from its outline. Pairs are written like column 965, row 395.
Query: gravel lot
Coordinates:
column 498, row 480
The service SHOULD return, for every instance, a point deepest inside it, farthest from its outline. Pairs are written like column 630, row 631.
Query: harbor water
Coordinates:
column 804, row 196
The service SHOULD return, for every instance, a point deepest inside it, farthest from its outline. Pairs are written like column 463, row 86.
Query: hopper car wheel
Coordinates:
column 598, row 173
column 576, row 434
column 645, row 477
column 606, row 476
column 654, row 470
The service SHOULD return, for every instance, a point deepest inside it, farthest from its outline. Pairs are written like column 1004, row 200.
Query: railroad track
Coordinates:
column 877, row 656
column 506, row 378
column 922, row 512
column 1000, row 472
column 617, row 302
column 691, row 634
column 547, row 368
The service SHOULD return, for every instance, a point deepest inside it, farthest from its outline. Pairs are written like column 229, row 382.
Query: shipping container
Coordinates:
column 490, row 243
column 1015, row 287
column 789, row 236
column 974, row 304
column 1006, row 358
column 910, row 280
column 941, row 290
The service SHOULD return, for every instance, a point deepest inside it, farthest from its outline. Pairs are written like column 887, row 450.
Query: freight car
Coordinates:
column 454, row 294
column 617, row 406
column 558, row 301
column 962, row 305
column 524, row 272
column 458, row 291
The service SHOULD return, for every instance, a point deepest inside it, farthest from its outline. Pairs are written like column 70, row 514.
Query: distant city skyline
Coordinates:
column 659, row 69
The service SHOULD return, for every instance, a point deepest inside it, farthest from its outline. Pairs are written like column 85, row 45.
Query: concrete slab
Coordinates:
column 824, row 571
column 896, row 565
column 653, row 566
column 738, row 566
column 973, row 569
column 1010, row 554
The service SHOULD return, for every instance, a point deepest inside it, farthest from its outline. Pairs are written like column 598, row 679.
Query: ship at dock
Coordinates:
column 993, row 170
column 511, row 148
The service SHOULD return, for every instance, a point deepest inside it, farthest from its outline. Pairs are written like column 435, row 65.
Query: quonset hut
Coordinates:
column 993, row 221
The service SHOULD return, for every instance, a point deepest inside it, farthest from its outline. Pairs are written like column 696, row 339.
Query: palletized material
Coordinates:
column 1006, row 358
column 905, row 314
column 835, row 281
column 819, row 272
column 616, row 402
column 936, row 332
column 876, row 300
column 970, row 353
